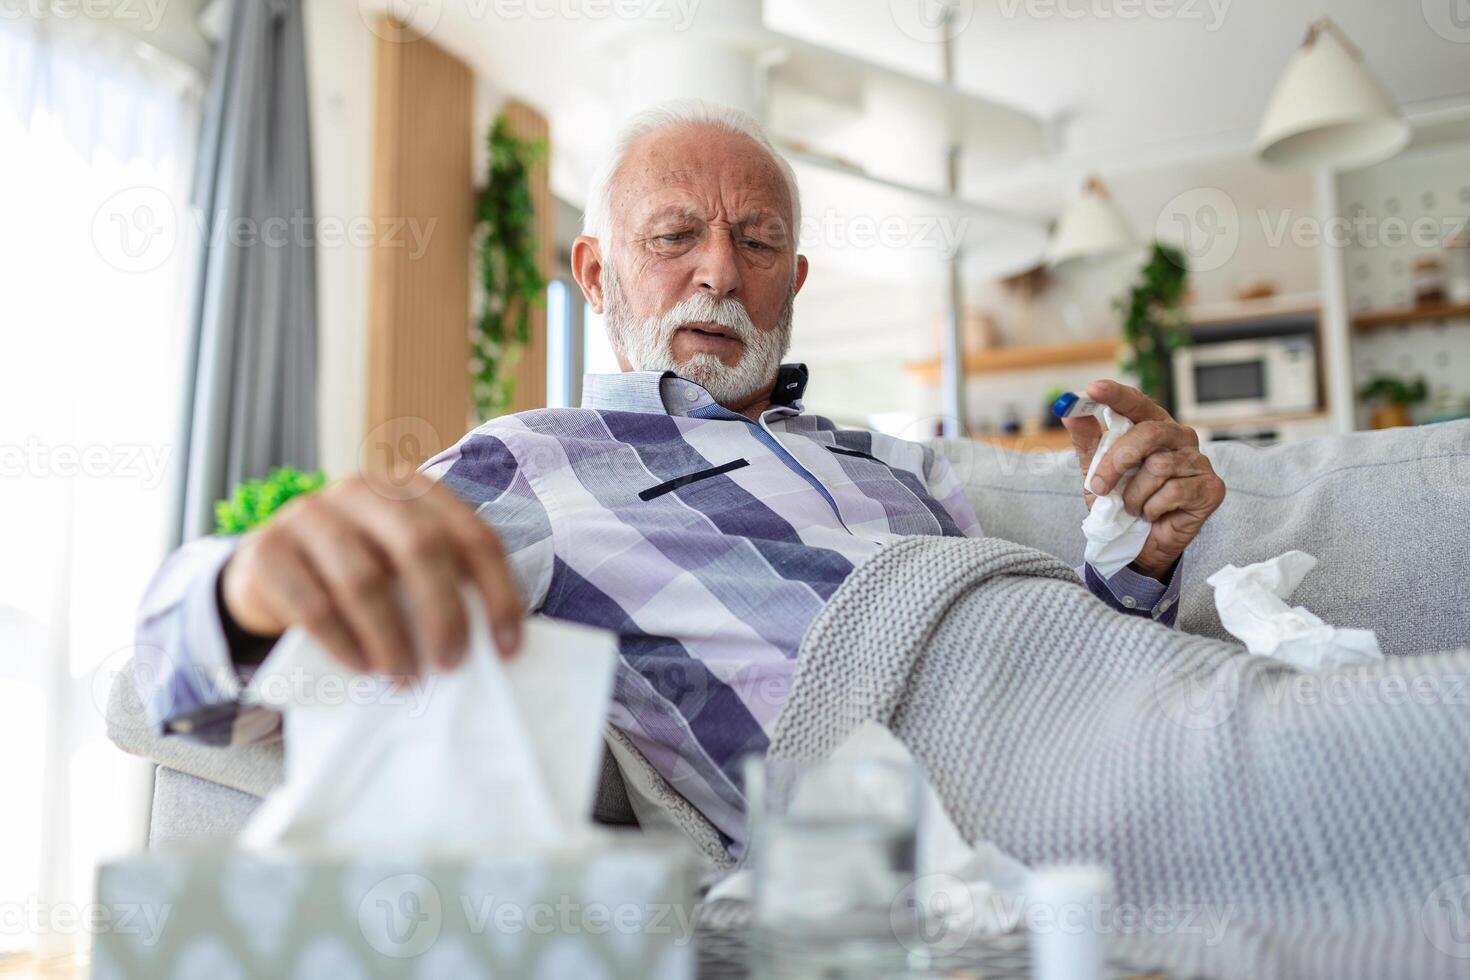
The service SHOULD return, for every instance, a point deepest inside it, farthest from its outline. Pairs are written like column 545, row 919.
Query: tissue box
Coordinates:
column 620, row 910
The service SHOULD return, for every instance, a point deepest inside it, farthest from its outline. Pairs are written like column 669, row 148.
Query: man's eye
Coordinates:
column 757, row 245
column 673, row 237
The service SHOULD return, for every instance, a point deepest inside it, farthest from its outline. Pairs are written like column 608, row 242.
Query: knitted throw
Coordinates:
column 1284, row 824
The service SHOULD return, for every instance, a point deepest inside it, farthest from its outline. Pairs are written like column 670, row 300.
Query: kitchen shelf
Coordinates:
column 1045, row 441
column 1374, row 319
column 998, row 359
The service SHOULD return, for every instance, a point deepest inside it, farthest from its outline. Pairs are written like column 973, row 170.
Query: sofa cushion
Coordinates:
column 1386, row 513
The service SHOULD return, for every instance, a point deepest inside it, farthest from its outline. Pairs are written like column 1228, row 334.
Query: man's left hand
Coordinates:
column 1175, row 487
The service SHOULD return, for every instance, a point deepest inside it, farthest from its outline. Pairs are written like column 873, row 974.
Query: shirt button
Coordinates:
column 1164, row 606
column 1130, row 602
column 691, row 395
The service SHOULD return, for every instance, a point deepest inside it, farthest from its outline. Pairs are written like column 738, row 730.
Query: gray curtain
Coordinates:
column 251, row 358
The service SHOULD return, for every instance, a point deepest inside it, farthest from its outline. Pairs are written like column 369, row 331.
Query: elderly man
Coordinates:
column 691, row 505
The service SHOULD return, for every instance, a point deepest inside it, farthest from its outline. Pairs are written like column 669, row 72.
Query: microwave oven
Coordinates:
column 1246, row 378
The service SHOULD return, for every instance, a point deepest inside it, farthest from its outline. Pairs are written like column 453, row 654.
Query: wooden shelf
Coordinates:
column 1374, row 319
column 1259, row 420
column 998, row 359
column 1045, row 441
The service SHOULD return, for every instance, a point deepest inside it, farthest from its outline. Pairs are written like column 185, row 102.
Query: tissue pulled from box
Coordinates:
column 1114, row 536
column 492, row 754
column 1252, row 607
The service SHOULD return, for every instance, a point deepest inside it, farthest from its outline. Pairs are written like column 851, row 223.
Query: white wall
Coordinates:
column 339, row 57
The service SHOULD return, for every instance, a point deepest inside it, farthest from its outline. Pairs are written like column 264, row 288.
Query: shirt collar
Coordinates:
column 665, row 393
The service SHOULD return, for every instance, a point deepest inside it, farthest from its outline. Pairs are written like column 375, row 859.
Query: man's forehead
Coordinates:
column 683, row 166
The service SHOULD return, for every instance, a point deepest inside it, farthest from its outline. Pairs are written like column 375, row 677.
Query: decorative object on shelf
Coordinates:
column 1457, row 258
column 1257, row 291
column 510, row 282
column 1091, row 228
column 255, row 500
column 1395, row 397
column 1329, row 110
column 1154, row 320
column 1428, row 279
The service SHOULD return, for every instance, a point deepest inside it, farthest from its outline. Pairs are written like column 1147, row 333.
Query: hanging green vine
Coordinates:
column 1154, row 322
column 510, row 282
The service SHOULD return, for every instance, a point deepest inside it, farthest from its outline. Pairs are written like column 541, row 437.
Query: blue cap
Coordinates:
column 1064, row 404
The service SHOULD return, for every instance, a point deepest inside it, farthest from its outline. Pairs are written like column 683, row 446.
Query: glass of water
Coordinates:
column 833, row 846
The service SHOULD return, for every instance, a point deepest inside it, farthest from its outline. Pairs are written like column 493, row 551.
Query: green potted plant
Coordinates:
column 1154, row 321
column 255, row 500
column 511, row 283
column 1394, row 398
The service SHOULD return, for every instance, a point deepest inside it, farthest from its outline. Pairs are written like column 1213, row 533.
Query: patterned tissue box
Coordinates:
column 621, row 910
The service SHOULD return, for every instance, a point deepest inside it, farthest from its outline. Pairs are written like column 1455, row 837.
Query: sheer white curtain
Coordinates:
column 95, row 138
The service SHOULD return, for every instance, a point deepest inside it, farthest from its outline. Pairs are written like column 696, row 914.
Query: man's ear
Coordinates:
column 587, row 269
column 802, row 268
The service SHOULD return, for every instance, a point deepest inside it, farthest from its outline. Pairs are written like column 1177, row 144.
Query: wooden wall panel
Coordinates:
column 419, row 304
column 528, row 124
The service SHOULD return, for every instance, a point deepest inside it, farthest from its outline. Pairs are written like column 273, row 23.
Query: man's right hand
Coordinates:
column 330, row 562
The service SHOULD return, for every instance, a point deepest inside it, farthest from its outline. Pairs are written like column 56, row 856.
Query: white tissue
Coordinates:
column 1114, row 536
column 1250, row 601
column 491, row 754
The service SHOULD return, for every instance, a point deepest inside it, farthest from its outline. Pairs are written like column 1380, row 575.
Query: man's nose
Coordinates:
column 718, row 271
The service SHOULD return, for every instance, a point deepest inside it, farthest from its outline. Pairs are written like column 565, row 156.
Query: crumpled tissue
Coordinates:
column 1252, row 607
column 981, row 884
column 493, row 753
column 1114, row 536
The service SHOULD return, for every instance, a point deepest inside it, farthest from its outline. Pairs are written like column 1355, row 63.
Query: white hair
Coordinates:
column 597, row 219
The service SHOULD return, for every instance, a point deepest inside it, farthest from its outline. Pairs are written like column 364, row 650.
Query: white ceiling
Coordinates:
column 1128, row 92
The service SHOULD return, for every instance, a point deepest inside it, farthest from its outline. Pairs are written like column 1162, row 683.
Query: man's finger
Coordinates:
column 295, row 594
column 1136, row 445
column 1086, row 433
column 481, row 554
column 1127, row 401
column 357, row 576
column 1156, row 471
column 418, row 545
column 1189, row 494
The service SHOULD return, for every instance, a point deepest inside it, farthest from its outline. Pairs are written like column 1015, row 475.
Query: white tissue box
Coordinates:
column 621, row 909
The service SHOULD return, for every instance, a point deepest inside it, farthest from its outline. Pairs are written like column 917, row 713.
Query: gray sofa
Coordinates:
column 1387, row 514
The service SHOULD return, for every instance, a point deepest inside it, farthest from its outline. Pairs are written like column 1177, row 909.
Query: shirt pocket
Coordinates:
column 669, row 486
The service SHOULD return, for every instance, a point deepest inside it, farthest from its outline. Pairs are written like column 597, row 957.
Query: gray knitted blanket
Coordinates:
column 1323, row 819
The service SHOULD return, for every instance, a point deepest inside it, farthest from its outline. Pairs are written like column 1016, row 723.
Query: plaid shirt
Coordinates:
column 706, row 541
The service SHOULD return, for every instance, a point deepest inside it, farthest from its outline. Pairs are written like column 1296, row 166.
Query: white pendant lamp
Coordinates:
column 1329, row 110
column 1091, row 228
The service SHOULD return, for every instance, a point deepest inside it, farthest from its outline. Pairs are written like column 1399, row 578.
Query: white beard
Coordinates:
column 648, row 344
